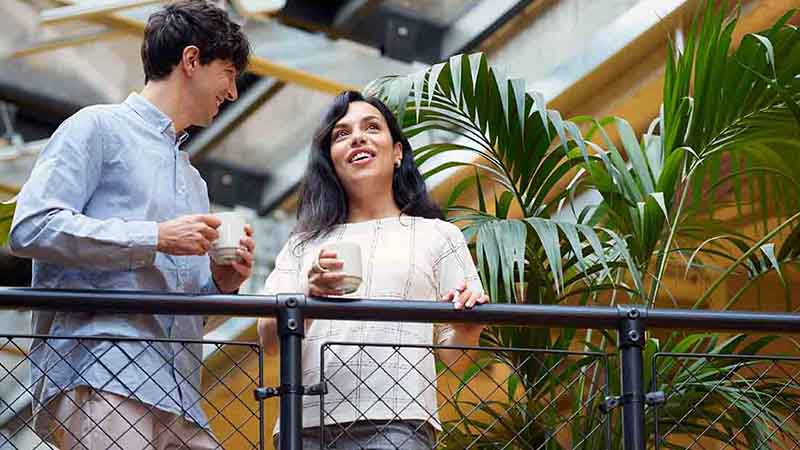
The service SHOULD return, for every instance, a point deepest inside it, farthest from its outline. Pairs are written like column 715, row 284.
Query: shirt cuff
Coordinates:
column 210, row 288
column 143, row 243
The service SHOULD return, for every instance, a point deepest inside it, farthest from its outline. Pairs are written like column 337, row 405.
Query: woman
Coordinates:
column 362, row 186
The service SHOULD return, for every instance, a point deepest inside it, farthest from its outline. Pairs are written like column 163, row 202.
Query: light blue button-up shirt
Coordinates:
column 88, row 217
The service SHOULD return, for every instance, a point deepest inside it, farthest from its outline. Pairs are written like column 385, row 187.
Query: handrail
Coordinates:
column 630, row 321
column 597, row 317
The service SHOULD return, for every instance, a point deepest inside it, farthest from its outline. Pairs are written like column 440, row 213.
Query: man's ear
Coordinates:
column 190, row 59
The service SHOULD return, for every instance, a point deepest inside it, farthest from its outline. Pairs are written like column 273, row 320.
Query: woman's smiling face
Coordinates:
column 362, row 148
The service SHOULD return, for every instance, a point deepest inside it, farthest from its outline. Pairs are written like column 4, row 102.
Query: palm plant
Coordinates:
column 659, row 194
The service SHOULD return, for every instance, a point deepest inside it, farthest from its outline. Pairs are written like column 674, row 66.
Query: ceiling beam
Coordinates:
column 288, row 54
column 352, row 12
column 468, row 32
column 255, row 8
column 67, row 41
column 89, row 10
column 284, row 181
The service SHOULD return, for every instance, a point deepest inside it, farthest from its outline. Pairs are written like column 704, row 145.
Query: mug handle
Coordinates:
column 317, row 266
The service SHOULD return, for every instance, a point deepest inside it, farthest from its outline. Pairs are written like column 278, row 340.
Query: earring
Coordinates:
column 397, row 164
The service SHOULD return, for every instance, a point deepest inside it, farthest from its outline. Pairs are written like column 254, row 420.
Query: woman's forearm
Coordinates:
column 268, row 335
column 458, row 335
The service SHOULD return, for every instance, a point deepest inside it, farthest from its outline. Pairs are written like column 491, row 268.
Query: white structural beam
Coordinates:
column 45, row 45
column 311, row 60
column 608, row 42
column 89, row 9
column 479, row 22
column 258, row 7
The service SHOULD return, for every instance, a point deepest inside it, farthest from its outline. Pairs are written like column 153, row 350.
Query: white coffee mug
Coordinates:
column 231, row 231
column 350, row 255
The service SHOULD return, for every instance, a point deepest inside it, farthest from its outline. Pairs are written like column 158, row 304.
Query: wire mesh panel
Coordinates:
column 128, row 393
column 718, row 401
column 389, row 396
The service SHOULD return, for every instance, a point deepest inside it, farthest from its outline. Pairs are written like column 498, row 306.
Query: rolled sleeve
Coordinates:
column 210, row 288
column 144, row 241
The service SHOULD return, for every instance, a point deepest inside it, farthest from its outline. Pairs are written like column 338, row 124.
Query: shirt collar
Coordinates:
column 154, row 116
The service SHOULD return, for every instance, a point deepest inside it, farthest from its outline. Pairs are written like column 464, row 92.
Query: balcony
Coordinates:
column 624, row 394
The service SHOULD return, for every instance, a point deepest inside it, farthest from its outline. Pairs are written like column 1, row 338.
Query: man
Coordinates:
column 113, row 203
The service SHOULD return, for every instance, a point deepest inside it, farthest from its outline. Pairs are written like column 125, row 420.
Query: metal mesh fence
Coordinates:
column 718, row 401
column 396, row 397
column 143, row 393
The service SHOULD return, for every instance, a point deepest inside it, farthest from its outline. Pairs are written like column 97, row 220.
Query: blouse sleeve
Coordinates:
column 454, row 262
column 453, row 265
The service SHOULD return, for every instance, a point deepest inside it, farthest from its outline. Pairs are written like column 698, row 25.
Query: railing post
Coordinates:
column 631, row 345
column 261, row 432
column 291, row 333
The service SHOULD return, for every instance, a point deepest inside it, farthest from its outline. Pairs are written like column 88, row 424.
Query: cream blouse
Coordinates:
column 403, row 258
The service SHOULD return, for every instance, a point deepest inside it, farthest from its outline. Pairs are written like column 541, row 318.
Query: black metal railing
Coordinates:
column 692, row 381
column 624, row 406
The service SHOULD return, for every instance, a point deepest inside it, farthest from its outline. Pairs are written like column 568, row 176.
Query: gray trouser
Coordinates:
column 372, row 435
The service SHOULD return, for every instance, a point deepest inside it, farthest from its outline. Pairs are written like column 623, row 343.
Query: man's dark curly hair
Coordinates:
column 191, row 22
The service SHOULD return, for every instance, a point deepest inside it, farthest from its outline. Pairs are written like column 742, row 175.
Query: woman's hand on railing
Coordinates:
column 463, row 298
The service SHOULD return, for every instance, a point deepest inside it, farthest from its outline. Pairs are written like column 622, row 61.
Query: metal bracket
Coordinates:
column 655, row 398
column 608, row 404
column 263, row 393
column 316, row 389
column 651, row 399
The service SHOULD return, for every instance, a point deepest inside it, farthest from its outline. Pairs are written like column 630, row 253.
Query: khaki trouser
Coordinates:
column 86, row 419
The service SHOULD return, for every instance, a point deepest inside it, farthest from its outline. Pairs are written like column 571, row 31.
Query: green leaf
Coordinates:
column 548, row 236
column 635, row 155
column 500, row 248
column 540, row 108
column 768, row 46
column 6, row 215
column 455, row 74
column 503, row 204
column 769, row 251
column 418, row 88
column 433, row 80
column 518, row 90
column 502, row 83
column 458, row 190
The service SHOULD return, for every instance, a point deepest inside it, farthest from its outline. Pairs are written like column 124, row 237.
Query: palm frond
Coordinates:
column 524, row 149
column 736, row 108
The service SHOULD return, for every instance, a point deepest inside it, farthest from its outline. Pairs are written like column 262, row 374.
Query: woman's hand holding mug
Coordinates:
column 336, row 270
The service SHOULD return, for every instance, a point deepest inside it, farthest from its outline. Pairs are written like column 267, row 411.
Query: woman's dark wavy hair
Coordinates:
column 323, row 200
